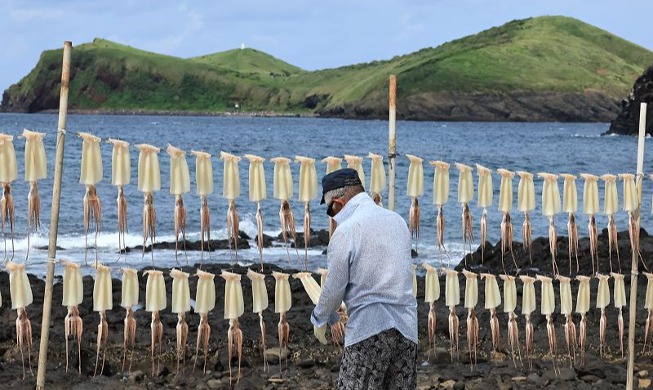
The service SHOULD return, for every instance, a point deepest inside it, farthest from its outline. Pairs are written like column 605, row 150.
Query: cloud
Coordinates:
column 24, row 15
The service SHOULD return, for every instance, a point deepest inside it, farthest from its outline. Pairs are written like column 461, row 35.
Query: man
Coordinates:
column 370, row 270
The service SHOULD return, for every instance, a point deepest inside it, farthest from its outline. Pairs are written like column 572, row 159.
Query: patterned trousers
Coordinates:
column 387, row 360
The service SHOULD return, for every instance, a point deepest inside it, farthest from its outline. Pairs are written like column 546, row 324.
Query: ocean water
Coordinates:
column 533, row 147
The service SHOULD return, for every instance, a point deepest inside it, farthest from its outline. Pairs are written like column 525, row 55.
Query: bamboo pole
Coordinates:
column 635, row 259
column 54, row 215
column 392, row 140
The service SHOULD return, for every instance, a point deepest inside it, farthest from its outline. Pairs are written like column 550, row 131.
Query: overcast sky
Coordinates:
column 309, row 34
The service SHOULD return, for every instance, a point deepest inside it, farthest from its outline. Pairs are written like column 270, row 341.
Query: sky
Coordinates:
column 309, row 34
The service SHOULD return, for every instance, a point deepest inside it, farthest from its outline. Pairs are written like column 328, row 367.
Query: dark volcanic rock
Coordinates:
column 627, row 122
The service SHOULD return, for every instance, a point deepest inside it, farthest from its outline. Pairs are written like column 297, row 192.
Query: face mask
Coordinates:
column 330, row 211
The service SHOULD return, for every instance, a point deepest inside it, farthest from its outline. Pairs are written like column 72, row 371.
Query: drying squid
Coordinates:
column 282, row 303
column 648, row 305
column 73, row 293
column 440, row 198
column 21, row 297
column 492, row 301
column 179, row 185
column 505, row 205
column 414, row 189
column 526, row 204
column 631, row 204
column 377, row 178
column 355, row 162
column 204, row 303
column 307, row 191
column 180, row 305
column 8, row 173
column 257, row 193
column 582, row 307
column 333, row 164
column 547, row 308
column 260, row 302
column 471, row 299
column 485, row 192
column 591, row 208
column 431, row 294
column 619, row 303
column 313, row 290
column 566, row 309
column 129, row 299
column 204, row 187
column 102, row 301
column 550, row 207
column 90, row 174
column 509, row 306
column 528, row 307
column 35, row 170
column 465, row 195
column 610, row 207
column 283, row 190
column 149, row 181
column 570, row 206
column 602, row 301
column 120, row 177
column 234, row 307
column 414, row 268
column 337, row 329
column 155, row 301
column 452, row 298
column 231, row 191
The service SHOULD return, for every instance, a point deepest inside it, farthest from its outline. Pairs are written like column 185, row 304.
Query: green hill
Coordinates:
column 545, row 68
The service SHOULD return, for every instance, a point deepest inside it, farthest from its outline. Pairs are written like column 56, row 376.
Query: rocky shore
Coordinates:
column 312, row 365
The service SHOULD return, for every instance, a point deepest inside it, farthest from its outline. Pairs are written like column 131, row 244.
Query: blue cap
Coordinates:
column 341, row 178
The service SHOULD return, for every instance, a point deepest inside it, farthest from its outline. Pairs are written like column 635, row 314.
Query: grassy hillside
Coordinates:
column 543, row 55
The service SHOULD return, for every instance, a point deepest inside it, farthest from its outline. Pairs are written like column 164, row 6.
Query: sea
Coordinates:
column 535, row 147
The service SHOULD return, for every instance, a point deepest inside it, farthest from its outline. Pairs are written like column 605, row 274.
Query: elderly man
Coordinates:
column 370, row 270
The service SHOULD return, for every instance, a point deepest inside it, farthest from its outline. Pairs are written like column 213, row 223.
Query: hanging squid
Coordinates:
column 582, row 307
column 619, row 303
column 35, row 170
column 528, row 307
column 337, row 329
column 180, row 306
column 355, row 162
column 260, row 302
column 155, row 301
column 471, row 299
column 566, row 309
column 505, row 205
column 307, row 191
column 21, row 297
column 465, row 195
column 234, row 307
column 570, row 206
column 440, row 198
column 648, row 305
column 128, row 301
column 179, row 185
column 452, row 298
column 282, row 304
column 313, row 290
column 333, row 164
column 283, row 190
column 204, row 188
column 120, row 177
column 509, row 306
column 492, row 301
column 631, row 204
column 8, row 173
column 90, row 174
column 73, row 293
column 610, row 207
column 102, row 301
column 231, row 191
column 602, row 301
column 149, row 181
column 431, row 294
column 591, row 208
column 204, row 303
column 257, row 193
column 485, row 192
column 550, row 207
column 415, row 188
column 547, row 308
column 377, row 178
column 526, row 204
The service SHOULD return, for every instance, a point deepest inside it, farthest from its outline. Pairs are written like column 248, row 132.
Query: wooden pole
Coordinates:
column 635, row 259
column 392, row 140
column 54, row 215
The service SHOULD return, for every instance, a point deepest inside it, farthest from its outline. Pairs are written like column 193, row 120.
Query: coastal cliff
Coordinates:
column 627, row 121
